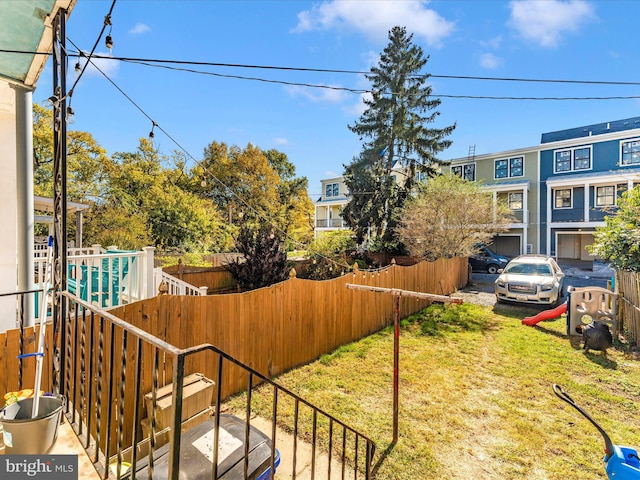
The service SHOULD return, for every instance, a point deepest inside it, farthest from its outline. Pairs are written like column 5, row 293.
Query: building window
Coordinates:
column 509, row 167
column 331, row 190
column 516, row 167
column 515, row 201
column 466, row 171
column 582, row 159
column 563, row 198
column 572, row 159
column 605, row 196
column 563, row 161
column 630, row 152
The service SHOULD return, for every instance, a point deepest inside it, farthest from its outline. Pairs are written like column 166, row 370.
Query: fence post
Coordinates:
column 149, row 290
column 203, row 291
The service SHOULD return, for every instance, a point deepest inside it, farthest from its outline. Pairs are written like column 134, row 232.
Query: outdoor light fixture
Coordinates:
column 108, row 41
column 153, row 125
column 69, row 117
column 78, row 67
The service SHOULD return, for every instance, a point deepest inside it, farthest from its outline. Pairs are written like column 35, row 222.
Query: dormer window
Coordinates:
column 332, row 190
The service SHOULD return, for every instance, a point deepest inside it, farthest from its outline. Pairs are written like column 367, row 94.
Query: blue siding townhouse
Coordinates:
column 582, row 173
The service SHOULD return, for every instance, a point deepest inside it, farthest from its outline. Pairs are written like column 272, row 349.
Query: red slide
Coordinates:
column 546, row 315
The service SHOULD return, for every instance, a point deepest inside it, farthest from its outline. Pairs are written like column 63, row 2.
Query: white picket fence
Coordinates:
column 175, row 286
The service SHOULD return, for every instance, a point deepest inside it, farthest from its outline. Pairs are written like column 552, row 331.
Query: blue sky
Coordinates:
column 547, row 39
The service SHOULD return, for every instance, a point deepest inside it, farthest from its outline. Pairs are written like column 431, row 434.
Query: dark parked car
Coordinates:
column 487, row 260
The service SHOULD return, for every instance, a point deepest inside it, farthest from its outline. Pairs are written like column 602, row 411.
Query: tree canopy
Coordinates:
column 399, row 140
column 449, row 216
column 618, row 241
column 144, row 197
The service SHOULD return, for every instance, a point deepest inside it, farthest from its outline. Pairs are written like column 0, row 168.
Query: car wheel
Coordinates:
column 492, row 269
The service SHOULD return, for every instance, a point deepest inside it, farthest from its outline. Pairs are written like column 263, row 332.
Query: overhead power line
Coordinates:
column 197, row 162
column 333, row 70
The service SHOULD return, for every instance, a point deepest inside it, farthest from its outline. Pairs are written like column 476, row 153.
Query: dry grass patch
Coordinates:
column 475, row 397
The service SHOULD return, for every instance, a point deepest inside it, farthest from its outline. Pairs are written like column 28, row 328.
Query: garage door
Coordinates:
column 508, row 246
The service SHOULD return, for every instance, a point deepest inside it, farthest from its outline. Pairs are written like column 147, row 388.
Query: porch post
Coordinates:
column 525, row 219
column 149, row 290
column 24, row 188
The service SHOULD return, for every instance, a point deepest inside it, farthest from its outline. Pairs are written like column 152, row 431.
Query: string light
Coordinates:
column 108, row 41
column 151, row 134
column 78, row 67
column 70, row 118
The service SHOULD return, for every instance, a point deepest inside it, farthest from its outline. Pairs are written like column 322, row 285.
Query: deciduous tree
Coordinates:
column 618, row 241
column 449, row 216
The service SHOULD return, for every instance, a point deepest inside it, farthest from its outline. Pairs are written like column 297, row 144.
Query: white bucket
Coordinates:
column 31, row 436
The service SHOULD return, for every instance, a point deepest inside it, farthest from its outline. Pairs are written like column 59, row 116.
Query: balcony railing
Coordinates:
column 331, row 223
column 175, row 286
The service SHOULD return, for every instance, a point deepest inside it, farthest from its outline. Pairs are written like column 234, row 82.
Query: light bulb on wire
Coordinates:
column 108, row 41
column 69, row 118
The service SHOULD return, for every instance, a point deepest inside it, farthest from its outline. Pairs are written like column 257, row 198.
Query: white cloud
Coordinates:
column 318, row 95
column 139, row 29
column 106, row 65
column 494, row 42
column 281, row 141
column 545, row 21
column 491, row 61
column 375, row 18
column 358, row 108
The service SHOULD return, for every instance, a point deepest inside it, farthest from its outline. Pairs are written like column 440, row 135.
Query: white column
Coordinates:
column 149, row 291
column 549, row 206
column 24, row 189
column 8, row 208
column 586, row 202
column 525, row 218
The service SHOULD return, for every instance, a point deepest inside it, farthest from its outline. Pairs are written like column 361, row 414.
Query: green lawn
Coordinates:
column 475, row 397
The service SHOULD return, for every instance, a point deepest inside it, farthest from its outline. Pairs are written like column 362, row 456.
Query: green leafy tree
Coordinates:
column 398, row 133
column 86, row 160
column 328, row 253
column 449, row 216
column 160, row 211
column 618, row 241
column 241, row 182
column 264, row 262
column 295, row 212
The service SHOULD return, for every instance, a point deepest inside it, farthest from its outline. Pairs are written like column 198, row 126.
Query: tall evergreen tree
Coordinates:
column 398, row 133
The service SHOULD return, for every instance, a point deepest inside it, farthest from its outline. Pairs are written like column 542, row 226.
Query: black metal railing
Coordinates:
column 111, row 366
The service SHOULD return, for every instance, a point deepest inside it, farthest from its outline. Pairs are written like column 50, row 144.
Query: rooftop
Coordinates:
column 590, row 130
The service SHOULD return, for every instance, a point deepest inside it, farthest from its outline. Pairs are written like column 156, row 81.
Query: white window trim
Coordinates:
column 595, row 196
column 554, row 198
column 622, row 142
column 461, row 166
column 572, row 168
column 508, row 160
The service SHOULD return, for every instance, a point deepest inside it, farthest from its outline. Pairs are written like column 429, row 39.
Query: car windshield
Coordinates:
column 541, row 269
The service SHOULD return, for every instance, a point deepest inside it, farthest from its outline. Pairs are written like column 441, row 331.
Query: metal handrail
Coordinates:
column 101, row 350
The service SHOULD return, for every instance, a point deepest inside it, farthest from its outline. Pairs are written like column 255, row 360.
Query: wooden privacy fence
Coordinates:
column 277, row 328
column 628, row 288
column 216, row 279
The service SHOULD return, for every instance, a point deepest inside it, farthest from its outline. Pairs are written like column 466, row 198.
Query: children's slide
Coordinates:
column 546, row 315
